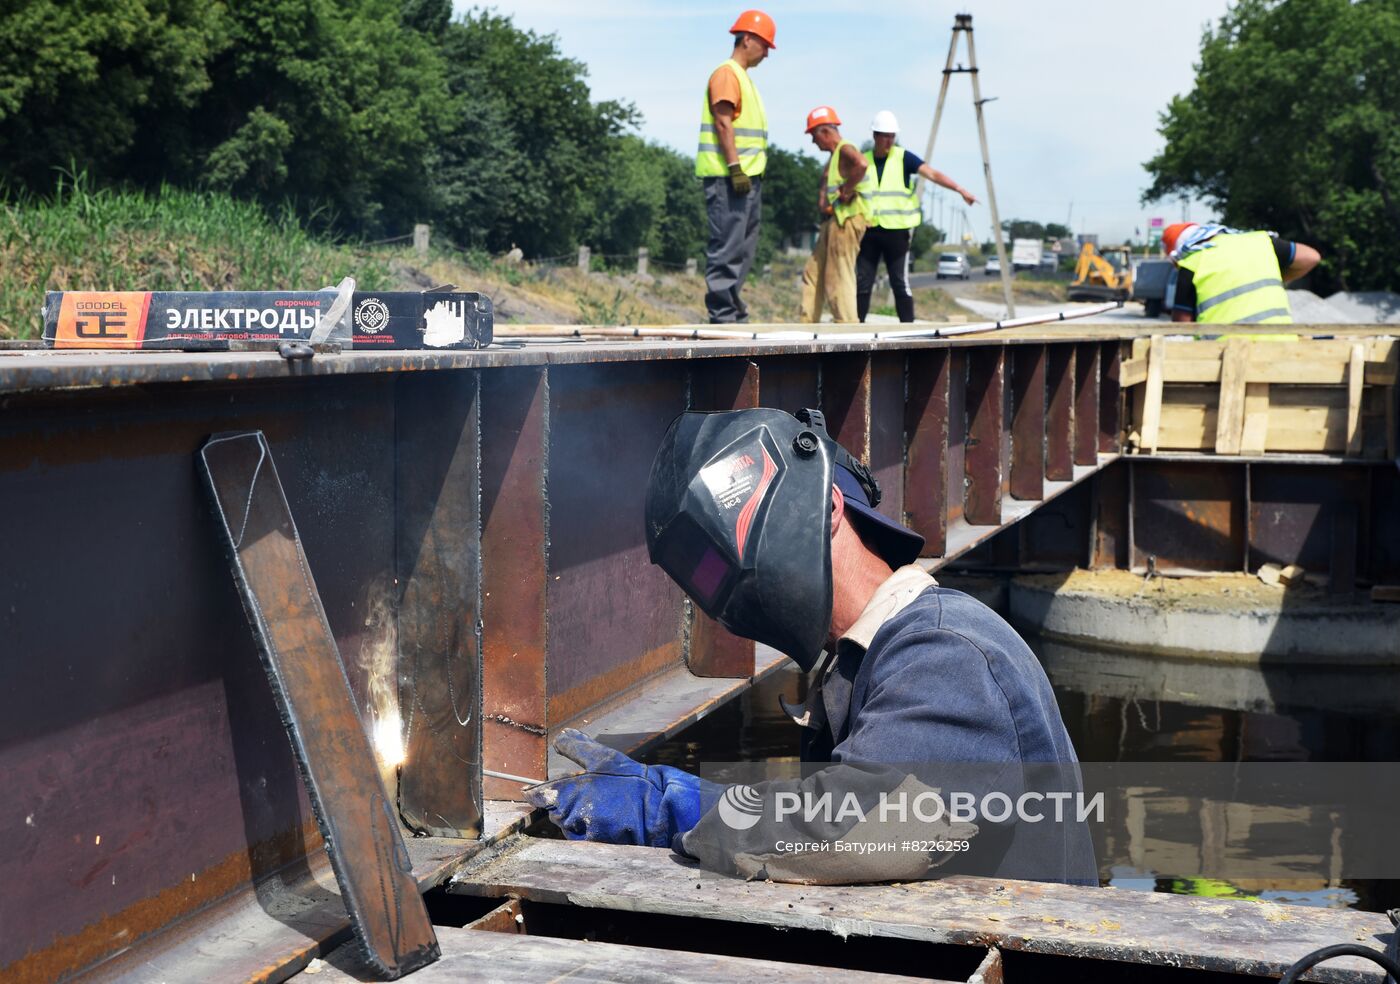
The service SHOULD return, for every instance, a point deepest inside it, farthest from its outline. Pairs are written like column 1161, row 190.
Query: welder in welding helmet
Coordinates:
column 738, row 513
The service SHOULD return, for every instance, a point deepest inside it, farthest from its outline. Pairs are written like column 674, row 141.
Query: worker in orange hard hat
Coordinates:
column 1228, row 277
column 730, row 159
column 845, row 196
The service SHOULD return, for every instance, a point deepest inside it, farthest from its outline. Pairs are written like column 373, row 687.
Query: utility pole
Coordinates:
column 963, row 23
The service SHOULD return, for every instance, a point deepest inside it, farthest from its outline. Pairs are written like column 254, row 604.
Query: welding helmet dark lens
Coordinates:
column 696, row 565
column 739, row 514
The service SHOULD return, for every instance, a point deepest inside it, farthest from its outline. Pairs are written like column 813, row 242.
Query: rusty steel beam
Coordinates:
column 720, row 384
column 846, row 401
column 986, row 440
column 614, row 617
column 790, row 383
column 338, row 764
column 1110, row 397
column 1086, row 404
column 438, row 531
column 886, row 439
column 955, row 468
column 1188, row 516
column 164, row 690
column 574, row 623
column 1028, row 422
column 926, row 429
column 514, row 549
column 1059, row 413
column 1110, row 519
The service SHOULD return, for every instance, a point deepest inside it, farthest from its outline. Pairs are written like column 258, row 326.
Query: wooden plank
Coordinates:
column 1186, row 427
column 338, row 764
column 1229, row 415
column 1355, row 381
column 1225, row 935
column 1305, row 361
column 1152, row 407
column 1256, row 418
column 509, row 958
column 1134, row 371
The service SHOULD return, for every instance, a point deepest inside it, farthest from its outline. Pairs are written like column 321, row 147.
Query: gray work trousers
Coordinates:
column 733, row 241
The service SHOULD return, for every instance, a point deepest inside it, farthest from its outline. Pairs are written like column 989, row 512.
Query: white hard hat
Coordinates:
column 884, row 122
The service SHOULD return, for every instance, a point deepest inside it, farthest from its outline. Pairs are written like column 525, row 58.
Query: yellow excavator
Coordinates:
column 1106, row 276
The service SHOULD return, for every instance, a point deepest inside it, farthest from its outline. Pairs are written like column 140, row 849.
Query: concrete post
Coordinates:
column 585, row 257
column 643, row 258
column 420, row 239
column 690, row 267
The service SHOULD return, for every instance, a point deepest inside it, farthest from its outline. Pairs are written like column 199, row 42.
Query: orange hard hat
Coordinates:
column 757, row 23
column 822, row 116
column 1172, row 233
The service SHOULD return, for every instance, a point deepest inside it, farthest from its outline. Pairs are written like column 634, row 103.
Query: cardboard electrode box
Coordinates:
column 219, row 320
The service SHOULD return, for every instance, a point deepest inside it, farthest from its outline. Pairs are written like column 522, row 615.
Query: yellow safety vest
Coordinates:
column 750, row 140
column 895, row 204
column 865, row 191
column 1238, row 281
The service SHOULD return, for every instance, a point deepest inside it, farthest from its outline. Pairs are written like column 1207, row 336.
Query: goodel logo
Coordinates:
column 740, row 807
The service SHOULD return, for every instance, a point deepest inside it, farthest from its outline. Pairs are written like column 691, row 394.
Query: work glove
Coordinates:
column 740, row 181
column 616, row 800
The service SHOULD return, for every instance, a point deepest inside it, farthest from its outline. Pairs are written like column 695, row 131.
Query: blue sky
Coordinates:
column 1078, row 87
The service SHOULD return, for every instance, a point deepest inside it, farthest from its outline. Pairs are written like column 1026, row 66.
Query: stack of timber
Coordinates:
column 1240, row 396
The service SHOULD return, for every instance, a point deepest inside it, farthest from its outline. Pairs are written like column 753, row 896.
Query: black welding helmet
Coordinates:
column 738, row 513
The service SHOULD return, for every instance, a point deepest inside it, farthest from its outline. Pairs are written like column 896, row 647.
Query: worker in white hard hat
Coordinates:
column 895, row 216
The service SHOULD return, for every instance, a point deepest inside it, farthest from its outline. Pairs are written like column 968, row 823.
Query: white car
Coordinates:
column 993, row 267
column 954, row 265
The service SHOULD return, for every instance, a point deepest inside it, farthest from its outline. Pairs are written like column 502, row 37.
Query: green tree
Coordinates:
column 1294, row 125
column 790, row 184
column 1023, row 229
column 556, row 138
column 926, row 236
column 82, row 82
column 330, row 103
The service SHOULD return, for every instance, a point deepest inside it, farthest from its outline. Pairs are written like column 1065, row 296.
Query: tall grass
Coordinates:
column 110, row 239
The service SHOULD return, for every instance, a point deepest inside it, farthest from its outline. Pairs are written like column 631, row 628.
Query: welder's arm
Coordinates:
column 617, row 800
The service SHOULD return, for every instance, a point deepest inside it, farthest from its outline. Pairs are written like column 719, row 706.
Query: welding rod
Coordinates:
column 506, row 775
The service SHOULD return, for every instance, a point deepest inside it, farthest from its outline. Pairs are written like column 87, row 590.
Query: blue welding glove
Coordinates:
column 616, row 800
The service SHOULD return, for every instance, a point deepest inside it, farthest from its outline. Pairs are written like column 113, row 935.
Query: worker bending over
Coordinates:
column 730, row 159
column 771, row 528
column 844, row 200
column 895, row 216
column 1228, row 277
